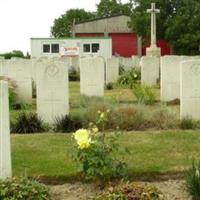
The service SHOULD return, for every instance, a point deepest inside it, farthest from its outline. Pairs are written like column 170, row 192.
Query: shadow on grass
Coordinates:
column 146, row 177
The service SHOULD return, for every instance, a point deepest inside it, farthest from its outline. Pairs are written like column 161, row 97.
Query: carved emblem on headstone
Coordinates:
column 195, row 69
column 52, row 70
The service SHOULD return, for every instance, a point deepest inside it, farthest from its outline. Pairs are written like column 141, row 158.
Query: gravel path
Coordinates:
column 172, row 190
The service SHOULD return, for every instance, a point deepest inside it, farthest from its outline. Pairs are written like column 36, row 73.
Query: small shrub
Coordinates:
column 22, row 106
column 74, row 75
column 129, row 78
column 121, row 69
column 28, row 123
column 66, row 124
column 193, row 181
column 128, row 118
column 187, row 123
column 34, row 90
column 109, row 86
column 163, row 119
column 131, row 191
column 23, row 189
column 89, row 106
column 144, row 94
column 12, row 91
column 96, row 151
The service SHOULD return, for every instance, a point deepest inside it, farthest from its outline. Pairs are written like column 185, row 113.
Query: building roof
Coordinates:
column 100, row 18
column 110, row 24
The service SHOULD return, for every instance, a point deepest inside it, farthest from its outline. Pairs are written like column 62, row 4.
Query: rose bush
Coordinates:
column 96, row 151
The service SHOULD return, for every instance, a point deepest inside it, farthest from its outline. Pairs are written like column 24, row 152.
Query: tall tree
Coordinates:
column 140, row 20
column 178, row 23
column 63, row 25
column 113, row 7
column 183, row 29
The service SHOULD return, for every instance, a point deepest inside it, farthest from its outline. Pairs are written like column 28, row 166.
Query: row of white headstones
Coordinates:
column 51, row 77
column 180, row 78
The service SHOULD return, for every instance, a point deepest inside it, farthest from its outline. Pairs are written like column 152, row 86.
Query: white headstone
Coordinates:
column 92, row 76
column 112, row 70
column 5, row 147
column 19, row 70
column 190, row 89
column 3, row 68
column 170, row 78
column 52, row 90
column 150, row 66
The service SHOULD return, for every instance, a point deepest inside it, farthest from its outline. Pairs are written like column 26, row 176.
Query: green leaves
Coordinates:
column 178, row 23
column 113, row 7
column 21, row 189
column 144, row 94
column 193, row 181
column 99, row 159
column 62, row 26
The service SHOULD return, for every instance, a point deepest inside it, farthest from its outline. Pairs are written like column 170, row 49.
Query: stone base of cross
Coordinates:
column 153, row 51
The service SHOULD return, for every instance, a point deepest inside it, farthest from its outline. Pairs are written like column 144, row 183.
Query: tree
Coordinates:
column 183, row 28
column 178, row 23
column 14, row 53
column 140, row 19
column 113, row 7
column 63, row 25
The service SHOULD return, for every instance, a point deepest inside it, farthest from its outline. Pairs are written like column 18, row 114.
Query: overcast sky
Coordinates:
column 22, row 19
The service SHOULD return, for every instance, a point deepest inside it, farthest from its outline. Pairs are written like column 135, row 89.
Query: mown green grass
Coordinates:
column 49, row 155
column 119, row 94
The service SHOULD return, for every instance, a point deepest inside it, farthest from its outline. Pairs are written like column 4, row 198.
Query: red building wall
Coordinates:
column 123, row 44
column 126, row 44
column 165, row 48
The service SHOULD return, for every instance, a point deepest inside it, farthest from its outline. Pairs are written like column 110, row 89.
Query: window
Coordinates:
column 95, row 47
column 46, row 48
column 91, row 48
column 55, row 48
column 86, row 48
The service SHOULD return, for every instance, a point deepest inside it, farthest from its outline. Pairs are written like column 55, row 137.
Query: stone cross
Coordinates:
column 153, row 12
column 5, row 147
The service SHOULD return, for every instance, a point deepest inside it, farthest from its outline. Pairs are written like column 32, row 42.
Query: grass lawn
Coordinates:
column 49, row 155
column 122, row 95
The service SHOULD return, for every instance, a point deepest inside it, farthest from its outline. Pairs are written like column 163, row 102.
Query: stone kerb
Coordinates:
column 92, row 74
column 190, row 89
column 52, row 89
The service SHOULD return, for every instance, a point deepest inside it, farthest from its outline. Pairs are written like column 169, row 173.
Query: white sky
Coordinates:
column 22, row 19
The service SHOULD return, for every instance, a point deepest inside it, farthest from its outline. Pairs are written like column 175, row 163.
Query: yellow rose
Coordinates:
column 82, row 138
column 102, row 115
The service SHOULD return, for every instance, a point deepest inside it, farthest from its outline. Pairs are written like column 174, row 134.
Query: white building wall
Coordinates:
column 104, row 51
